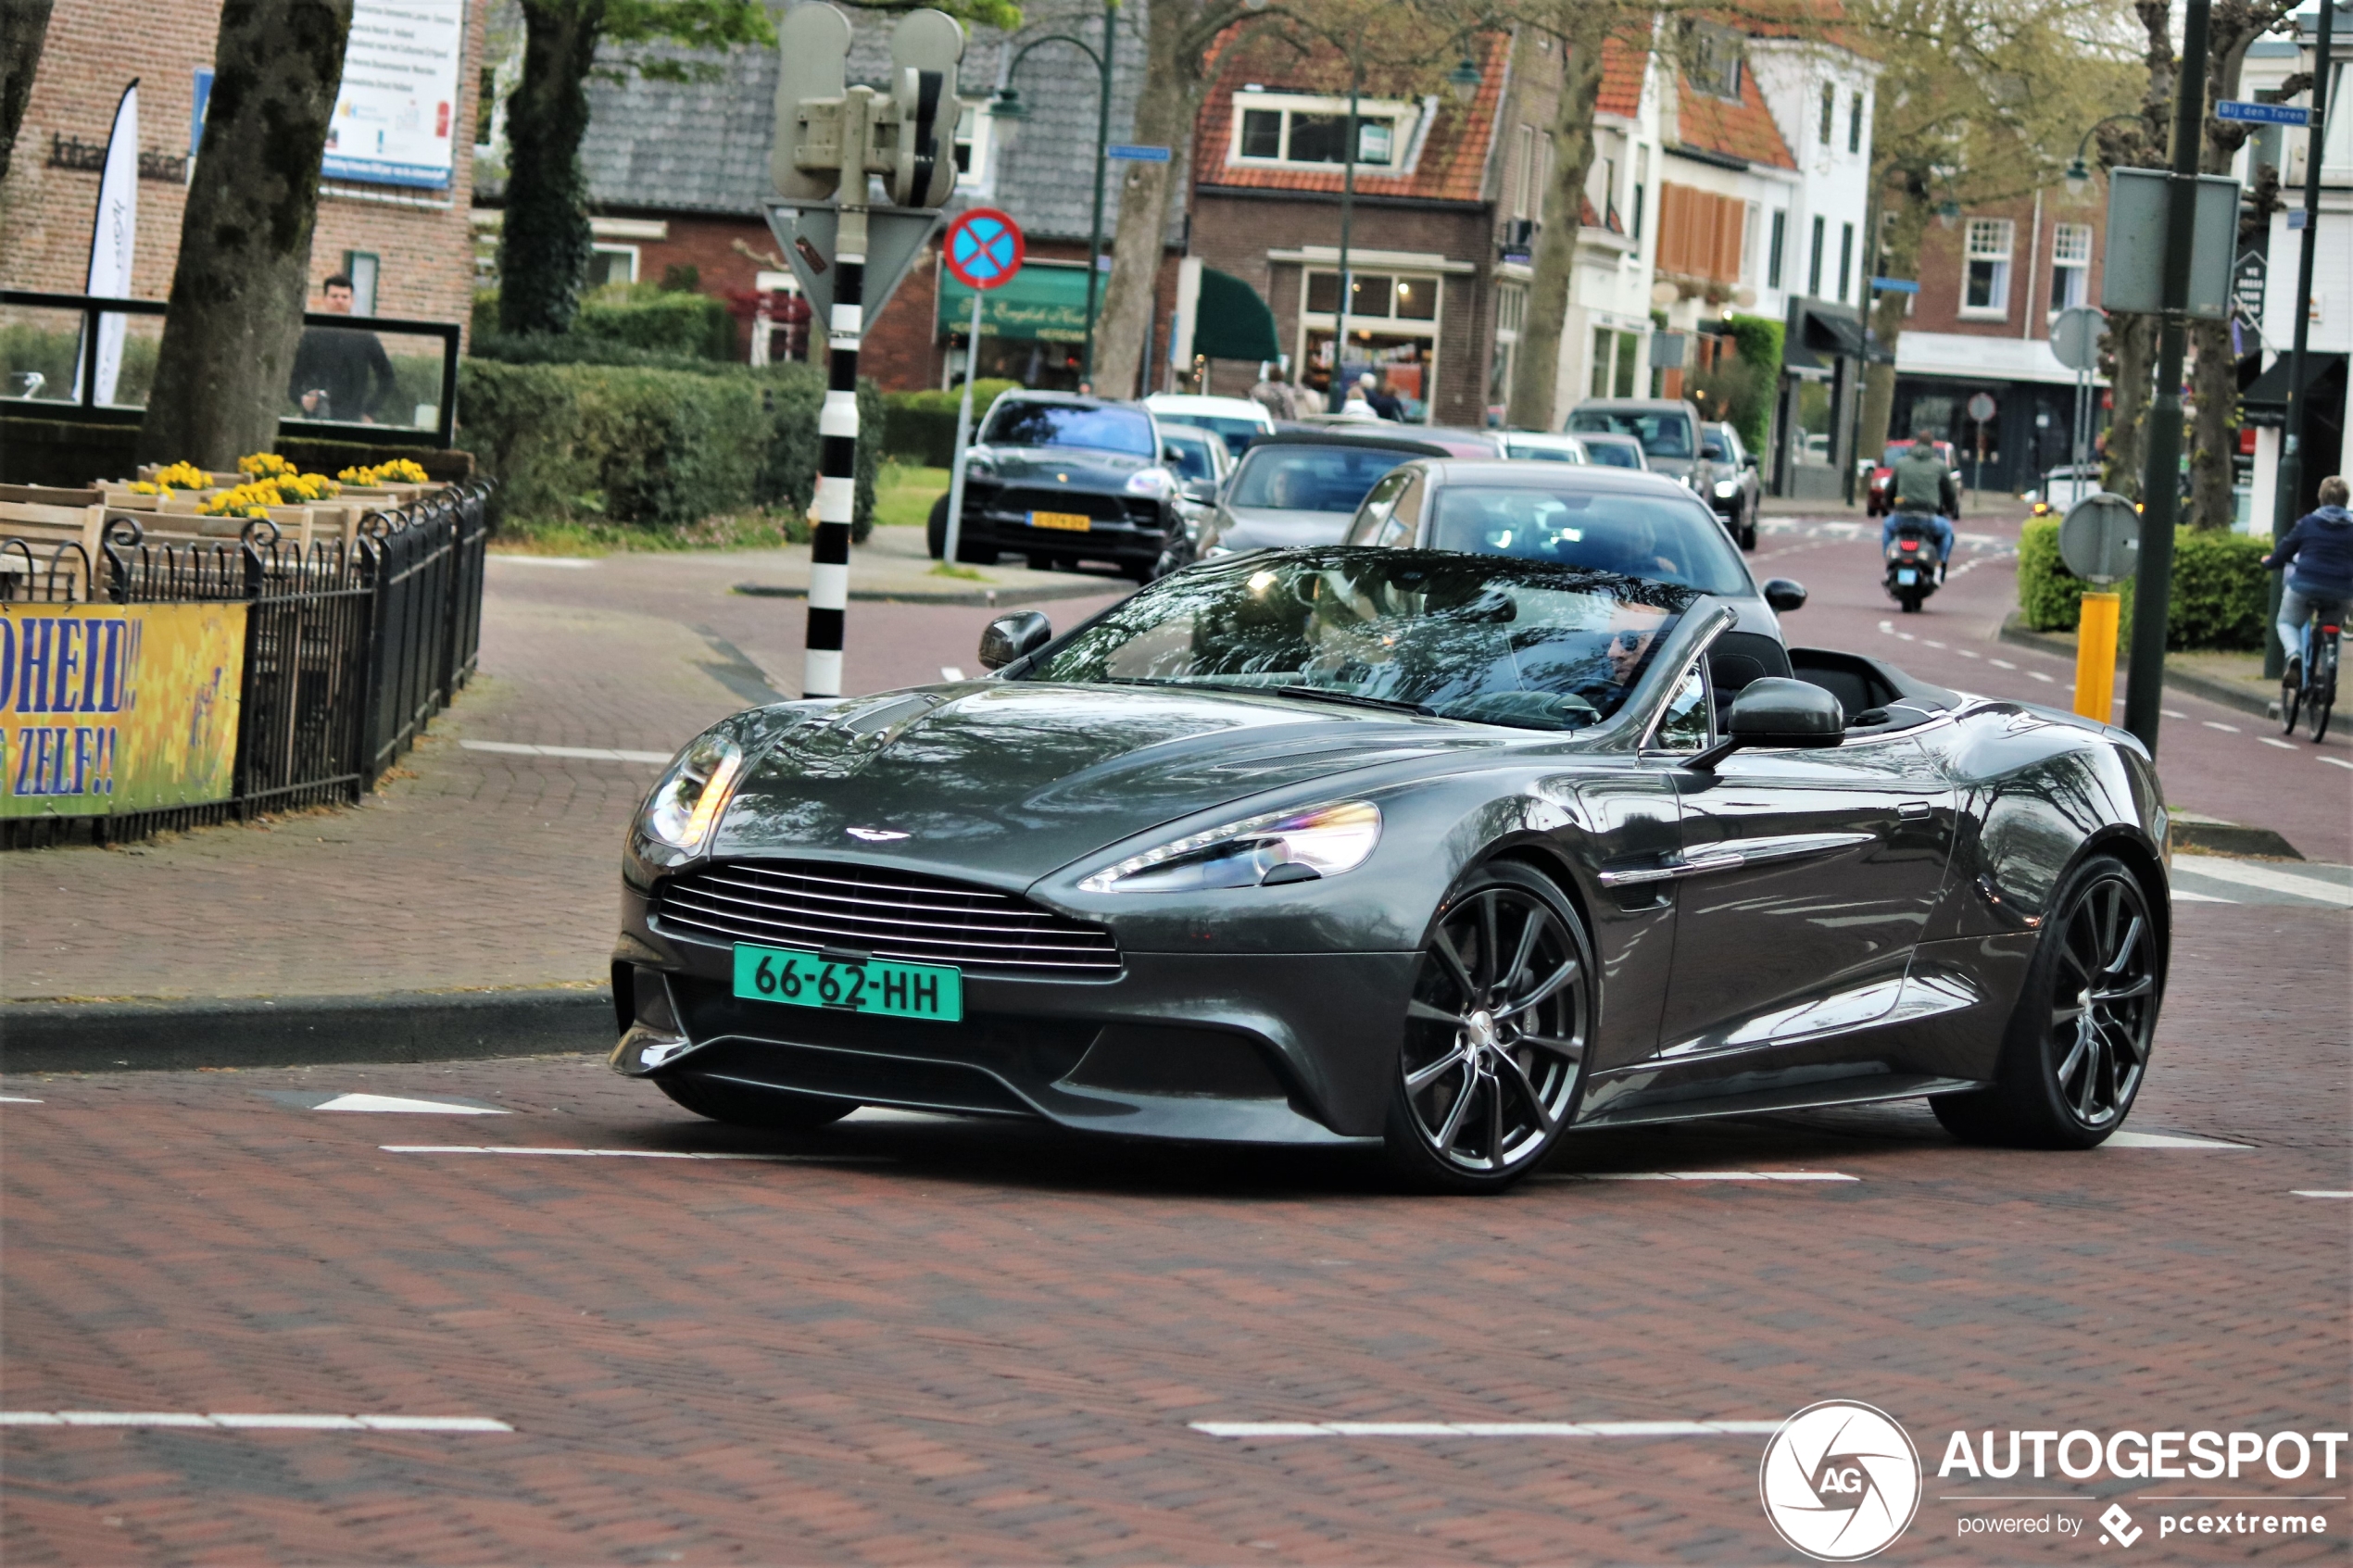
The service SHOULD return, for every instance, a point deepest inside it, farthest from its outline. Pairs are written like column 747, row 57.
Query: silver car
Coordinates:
column 1298, row 488
column 1635, row 524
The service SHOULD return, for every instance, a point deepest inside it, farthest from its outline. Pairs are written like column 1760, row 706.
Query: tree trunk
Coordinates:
column 544, row 248
column 24, row 24
column 1908, row 196
column 1581, row 29
column 2132, row 347
column 1171, row 97
column 244, row 240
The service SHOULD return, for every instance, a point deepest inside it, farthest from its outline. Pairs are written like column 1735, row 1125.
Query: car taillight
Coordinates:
column 2328, row 630
column 1911, row 543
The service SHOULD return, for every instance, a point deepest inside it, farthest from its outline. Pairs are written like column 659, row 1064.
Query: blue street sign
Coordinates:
column 2262, row 114
column 1895, row 285
column 1126, row 152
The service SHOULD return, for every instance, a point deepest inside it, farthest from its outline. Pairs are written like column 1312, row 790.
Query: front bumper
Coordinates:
column 1269, row 1048
column 1126, row 529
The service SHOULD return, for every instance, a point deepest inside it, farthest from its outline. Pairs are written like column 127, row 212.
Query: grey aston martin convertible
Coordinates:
column 1446, row 853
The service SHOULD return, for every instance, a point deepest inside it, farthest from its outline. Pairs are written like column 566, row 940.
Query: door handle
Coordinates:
column 1674, row 868
column 1913, row 811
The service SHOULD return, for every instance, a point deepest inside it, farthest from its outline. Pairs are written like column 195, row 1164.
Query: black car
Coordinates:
column 1439, row 854
column 1062, row 479
column 1736, row 492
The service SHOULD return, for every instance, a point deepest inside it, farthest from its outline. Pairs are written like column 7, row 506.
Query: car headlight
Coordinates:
column 1685, row 481
column 1150, row 482
column 1278, row 847
column 1727, row 488
column 684, row 805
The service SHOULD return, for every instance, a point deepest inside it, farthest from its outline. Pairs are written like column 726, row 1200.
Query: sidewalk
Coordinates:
column 481, row 877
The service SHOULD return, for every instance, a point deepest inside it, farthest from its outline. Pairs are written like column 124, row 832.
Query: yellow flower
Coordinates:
column 186, row 475
column 145, row 487
column 263, row 465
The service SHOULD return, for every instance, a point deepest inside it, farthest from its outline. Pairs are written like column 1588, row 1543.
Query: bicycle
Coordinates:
column 2316, row 693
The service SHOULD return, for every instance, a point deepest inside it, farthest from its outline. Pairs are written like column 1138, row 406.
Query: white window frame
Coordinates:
column 976, row 133
column 631, row 252
column 1400, row 114
column 1312, row 321
column 2070, row 274
column 1993, row 240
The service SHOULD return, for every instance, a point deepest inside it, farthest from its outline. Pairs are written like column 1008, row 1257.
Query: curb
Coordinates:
column 2231, row 838
column 168, row 1035
column 2198, row 685
column 961, row 596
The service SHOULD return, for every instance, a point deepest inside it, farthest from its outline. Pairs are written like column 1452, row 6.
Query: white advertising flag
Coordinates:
column 113, row 241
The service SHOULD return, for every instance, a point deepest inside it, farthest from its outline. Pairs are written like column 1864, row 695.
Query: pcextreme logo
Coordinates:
column 1841, row 1481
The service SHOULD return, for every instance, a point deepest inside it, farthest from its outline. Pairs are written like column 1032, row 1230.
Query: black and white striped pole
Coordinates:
column 847, row 251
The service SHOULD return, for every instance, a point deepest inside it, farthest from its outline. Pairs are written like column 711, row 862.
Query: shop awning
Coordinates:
column 2265, row 400
column 1232, row 321
column 1045, row 303
column 1818, row 331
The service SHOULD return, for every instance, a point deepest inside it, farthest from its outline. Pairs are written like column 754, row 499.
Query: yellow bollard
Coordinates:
column 2095, row 657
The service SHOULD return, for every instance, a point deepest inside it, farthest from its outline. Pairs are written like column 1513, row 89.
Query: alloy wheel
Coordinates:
column 2103, row 1005
column 1495, row 1033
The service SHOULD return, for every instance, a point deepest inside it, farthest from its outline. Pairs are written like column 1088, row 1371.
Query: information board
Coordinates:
column 395, row 120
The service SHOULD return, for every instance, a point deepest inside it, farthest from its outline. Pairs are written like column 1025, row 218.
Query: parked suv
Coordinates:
column 1062, row 479
column 1668, row 430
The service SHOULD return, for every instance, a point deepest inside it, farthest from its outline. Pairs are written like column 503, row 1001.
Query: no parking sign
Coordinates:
column 984, row 248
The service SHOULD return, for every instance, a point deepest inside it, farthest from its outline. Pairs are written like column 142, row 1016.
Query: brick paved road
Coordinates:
column 986, row 1343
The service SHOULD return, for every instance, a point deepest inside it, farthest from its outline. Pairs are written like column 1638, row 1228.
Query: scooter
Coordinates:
column 1915, row 570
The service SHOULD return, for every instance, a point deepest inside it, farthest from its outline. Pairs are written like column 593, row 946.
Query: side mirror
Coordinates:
column 1784, row 595
column 1013, row 636
column 1748, row 459
column 1777, row 711
column 1201, row 490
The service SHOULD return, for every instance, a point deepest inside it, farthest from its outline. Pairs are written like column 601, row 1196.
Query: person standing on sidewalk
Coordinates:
column 2318, row 557
column 339, row 373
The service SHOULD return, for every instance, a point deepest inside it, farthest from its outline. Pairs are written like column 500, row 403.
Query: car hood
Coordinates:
column 1007, row 781
column 1065, row 465
column 1259, row 528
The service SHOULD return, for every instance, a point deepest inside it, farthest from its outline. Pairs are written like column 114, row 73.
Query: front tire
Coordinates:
column 2078, row 1043
column 1495, row 1035
column 748, row 1104
column 935, row 529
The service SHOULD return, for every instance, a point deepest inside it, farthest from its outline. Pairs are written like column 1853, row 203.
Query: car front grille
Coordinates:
column 891, row 914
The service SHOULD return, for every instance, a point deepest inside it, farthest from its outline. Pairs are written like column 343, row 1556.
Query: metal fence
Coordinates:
column 350, row 648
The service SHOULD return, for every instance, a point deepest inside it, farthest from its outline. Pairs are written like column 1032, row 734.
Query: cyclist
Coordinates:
column 2318, row 554
column 1920, row 492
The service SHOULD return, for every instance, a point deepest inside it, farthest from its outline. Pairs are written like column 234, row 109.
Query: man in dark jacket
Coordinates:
column 1920, row 491
column 2318, row 554
column 339, row 373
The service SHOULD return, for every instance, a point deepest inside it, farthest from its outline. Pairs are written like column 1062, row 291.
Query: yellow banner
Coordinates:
column 112, row 708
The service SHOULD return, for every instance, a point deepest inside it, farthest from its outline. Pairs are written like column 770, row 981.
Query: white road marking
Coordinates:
column 588, row 753
column 2270, row 878
column 2183, row 896
column 627, row 1153
column 390, row 1103
column 2001, row 664
column 2040, row 676
column 1931, row 642
column 256, row 1423
column 1888, row 626
column 952, row 671
column 575, row 562
column 2226, row 729
column 1698, row 1176
column 1966, row 654
column 1908, row 636
column 2302, row 1192
column 2164, row 1140
column 2336, row 762
column 2172, row 713
column 1486, row 1428
column 870, row 1113
column 2274, row 740
column 17, row 1099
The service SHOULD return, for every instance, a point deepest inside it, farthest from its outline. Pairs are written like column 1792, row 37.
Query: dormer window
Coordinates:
column 1712, row 59
column 1312, row 129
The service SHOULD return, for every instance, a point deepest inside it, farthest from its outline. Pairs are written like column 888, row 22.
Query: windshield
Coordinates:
column 1058, row 424
column 1664, row 432
column 1535, row 452
column 1311, row 479
column 1496, row 641
column 1189, row 454
column 1237, row 433
column 1614, row 454
column 1659, row 537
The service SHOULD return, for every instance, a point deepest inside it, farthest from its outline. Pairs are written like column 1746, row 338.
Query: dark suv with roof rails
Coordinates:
column 1062, row 479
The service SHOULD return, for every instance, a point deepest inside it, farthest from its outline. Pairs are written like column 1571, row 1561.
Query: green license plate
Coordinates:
column 805, row 980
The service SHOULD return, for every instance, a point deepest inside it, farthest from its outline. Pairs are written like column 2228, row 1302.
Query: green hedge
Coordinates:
column 1759, row 340
column 692, row 324
column 2219, row 588
column 661, row 447
column 920, row 427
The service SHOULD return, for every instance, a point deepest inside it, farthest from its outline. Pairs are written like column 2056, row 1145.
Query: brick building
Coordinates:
column 1991, row 283
column 412, row 239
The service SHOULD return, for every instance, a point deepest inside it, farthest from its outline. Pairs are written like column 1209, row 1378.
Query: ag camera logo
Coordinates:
column 1841, row 1481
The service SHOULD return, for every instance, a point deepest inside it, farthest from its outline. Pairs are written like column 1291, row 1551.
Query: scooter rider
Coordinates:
column 1920, row 493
